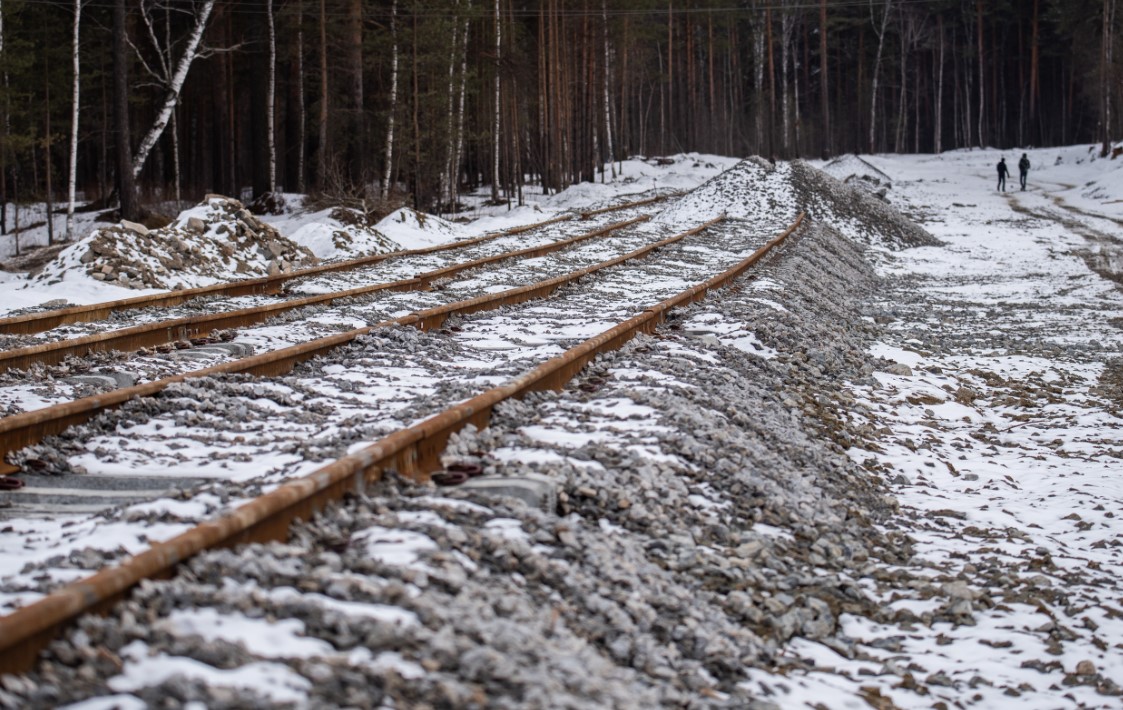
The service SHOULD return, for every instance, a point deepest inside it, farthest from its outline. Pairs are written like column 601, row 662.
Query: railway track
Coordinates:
column 25, row 391
column 38, row 322
column 192, row 328
column 19, row 431
column 539, row 332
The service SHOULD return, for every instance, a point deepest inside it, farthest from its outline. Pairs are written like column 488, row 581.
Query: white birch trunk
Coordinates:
column 72, row 178
column 446, row 174
column 607, row 95
column 270, row 97
column 300, row 117
column 389, row 168
column 177, row 79
column 876, row 77
column 458, row 154
column 174, row 118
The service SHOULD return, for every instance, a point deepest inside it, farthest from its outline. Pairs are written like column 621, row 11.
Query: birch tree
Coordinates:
column 607, row 100
column 389, row 164
column 72, row 178
column 175, row 83
column 877, row 69
column 447, row 174
column 458, row 153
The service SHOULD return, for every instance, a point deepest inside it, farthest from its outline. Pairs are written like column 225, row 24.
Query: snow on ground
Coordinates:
column 995, row 428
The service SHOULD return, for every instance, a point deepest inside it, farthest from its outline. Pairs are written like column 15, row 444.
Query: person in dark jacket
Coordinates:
column 1023, row 170
column 1003, row 171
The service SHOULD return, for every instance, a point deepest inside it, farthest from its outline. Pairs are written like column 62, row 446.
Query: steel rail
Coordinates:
column 184, row 329
column 411, row 452
column 20, row 430
column 39, row 322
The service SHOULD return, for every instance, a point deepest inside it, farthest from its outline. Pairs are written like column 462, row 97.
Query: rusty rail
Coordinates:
column 411, row 452
column 38, row 322
column 162, row 332
column 28, row 428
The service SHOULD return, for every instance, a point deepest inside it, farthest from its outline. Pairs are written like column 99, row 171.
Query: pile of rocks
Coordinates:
column 771, row 196
column 217, row 240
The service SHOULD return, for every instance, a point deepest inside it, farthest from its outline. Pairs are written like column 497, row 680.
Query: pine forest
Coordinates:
column 383, row 103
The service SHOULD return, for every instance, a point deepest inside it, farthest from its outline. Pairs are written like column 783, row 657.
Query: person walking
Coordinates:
column 1003, row 171
column 1023, row 170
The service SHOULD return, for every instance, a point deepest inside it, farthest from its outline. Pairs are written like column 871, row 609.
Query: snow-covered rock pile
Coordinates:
column 217, row 240
column 771, row 196
column 336, row 233
column 410, row 229
column 858, row 172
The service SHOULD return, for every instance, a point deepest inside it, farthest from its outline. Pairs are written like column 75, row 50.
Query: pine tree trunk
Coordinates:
column 47, row 153
column 771, row 86
column 981, row 58
column 786, row 22
column 271, row 97
column 5, row 125
column 824, row 76
column 322, row 148
column 126, row 187
column 758, row 84
column 418, row 202
column 937, row 133
column 356, row 141
column 1034, row 84
column 1105, row 77
column 900, row 134
column 301, row 116
column 496, row 109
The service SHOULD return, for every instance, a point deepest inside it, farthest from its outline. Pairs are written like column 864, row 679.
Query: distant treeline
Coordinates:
column 383, row 102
